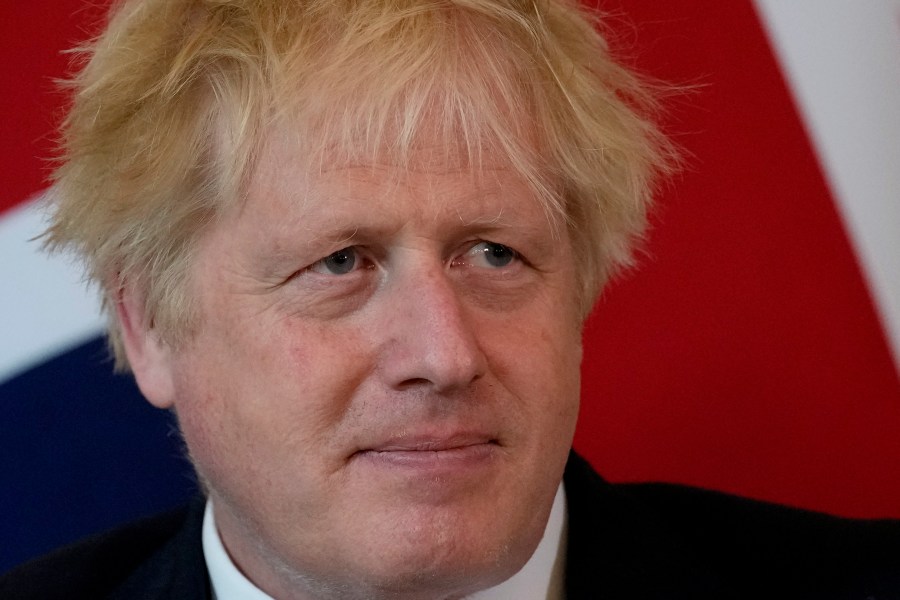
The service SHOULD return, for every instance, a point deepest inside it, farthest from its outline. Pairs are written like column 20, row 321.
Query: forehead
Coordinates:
column 431, row 180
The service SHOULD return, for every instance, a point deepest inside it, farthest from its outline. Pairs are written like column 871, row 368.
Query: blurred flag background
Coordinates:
column 756, row 350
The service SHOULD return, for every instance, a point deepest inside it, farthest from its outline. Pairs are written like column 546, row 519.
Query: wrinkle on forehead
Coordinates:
column 284, row 152
column 284, row 168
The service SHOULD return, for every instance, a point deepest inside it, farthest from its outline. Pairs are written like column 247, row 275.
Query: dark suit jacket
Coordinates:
column 624, row 541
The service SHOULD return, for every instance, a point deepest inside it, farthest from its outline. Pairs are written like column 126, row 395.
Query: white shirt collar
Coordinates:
column 542, row 577
column 227, row 582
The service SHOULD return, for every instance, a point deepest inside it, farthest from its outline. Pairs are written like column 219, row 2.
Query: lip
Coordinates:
column 431, row 452
column 431, row 443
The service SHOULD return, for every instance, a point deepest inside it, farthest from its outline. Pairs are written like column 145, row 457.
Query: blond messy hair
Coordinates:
column 172, row 102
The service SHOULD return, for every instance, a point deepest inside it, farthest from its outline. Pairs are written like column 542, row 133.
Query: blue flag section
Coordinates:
column 81, row 451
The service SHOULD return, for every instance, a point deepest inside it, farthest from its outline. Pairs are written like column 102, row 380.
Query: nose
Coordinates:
column 429, row 337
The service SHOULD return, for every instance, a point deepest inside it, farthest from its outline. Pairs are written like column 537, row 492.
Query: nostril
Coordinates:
column 413, row 383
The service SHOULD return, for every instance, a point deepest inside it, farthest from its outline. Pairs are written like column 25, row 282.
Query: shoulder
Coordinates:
column 104, row 565
column 732, row 546
column 767, row 547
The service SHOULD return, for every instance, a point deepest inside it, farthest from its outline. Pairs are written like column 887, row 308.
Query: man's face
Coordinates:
column 384, row 383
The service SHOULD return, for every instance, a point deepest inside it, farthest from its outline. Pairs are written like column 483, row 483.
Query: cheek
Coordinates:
column 262, row 395
column 326, row 366
column 538, row 360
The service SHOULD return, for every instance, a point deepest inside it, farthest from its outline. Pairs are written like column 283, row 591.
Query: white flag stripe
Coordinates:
column 46, row 307
column 842, row 59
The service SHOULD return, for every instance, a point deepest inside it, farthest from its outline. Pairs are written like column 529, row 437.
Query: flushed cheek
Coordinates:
column 538, row 364
column 289, row 365
column 258, row 455
column 262, row 381
column 328, row 364
column 531, row 349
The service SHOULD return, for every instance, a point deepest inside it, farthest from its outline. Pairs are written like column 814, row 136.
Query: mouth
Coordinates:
column 431, row 452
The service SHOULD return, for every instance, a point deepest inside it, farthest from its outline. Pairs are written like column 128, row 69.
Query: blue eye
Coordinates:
column 337, row 263
column 492, row 255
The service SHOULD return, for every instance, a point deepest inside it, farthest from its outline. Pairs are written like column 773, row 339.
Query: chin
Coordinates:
column 451, row 579
column 446, row 559
column 431, row 574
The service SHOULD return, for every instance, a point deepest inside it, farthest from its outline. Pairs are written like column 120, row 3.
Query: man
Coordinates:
column 352, row 245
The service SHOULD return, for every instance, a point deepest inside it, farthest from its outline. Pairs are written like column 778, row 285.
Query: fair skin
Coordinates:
column 383, row 385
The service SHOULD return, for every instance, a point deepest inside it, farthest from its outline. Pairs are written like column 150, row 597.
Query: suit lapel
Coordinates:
column 618, row 548
column 176, row 570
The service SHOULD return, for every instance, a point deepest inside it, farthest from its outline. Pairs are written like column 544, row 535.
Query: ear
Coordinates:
column 150, row 357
